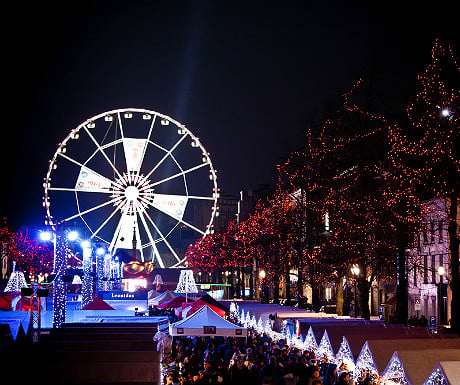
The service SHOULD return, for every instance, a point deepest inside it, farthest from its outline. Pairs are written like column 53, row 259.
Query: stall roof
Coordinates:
column 382, row 350
column 206, row 322
column 166, row 296
column 450, row 371
column 418, row 364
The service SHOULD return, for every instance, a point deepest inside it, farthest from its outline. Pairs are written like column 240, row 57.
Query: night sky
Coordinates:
column 246, row 77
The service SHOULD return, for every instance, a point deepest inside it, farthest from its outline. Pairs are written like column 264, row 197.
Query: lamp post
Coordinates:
column 355, row 271
column 59, row 237
column 441, row 302
column 262, row 275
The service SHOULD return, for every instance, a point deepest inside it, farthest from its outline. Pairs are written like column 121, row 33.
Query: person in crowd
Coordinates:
column 257, row 360
column 423, row 322
column 315, row 377
column 330, row 376
column 412, row 321
column 344, row 379
column 271, row 372
column 239, row 372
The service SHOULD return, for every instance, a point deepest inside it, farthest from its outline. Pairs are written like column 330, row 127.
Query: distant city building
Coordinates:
column 249, row 198
column 228, row 210
column 428, row 265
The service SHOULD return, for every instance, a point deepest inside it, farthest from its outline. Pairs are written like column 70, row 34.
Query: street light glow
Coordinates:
column 445, row 112
column 85, row 244
column 72, row 235
column 100, row 251
column 45, row 236
column 355, row 270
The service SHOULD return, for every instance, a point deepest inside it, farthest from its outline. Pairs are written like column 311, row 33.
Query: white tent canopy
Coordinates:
column 152, row 294
column 206, row 322
column 166, row 296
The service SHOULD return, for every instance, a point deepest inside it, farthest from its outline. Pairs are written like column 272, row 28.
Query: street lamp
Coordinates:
column 262, row 276
column 59, row 237
column 355, row 271
column 441, row 303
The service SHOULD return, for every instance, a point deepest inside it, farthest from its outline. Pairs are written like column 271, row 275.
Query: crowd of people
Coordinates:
column 415, row 321
column 257, row 360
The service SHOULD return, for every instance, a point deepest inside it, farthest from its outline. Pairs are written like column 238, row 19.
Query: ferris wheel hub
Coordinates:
column 133, row 190
column 131, row 193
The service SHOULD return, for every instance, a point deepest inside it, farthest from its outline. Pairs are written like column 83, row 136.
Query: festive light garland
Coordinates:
column 59, row 286
column 87, row 286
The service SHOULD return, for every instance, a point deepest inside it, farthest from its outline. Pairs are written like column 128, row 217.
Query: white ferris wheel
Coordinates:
column 136, row 180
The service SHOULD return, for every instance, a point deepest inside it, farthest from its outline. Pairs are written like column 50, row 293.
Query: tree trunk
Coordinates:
column 231, row 291
column 401, row 290
column 454, row 264
column 243, row 283
column 276, row 286
column 287, row 284
column 339, row 296
column 238, row 282
column 315, row 297
column 300, row 284
column 251, row 280
column 363, row 287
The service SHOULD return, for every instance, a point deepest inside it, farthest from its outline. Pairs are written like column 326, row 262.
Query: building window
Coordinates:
column 433, row 232
column 433, row 269
column 425, row 235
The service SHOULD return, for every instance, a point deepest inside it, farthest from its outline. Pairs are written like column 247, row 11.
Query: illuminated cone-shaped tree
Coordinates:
column 158, row 281
column 186, row 283
column 16, row 281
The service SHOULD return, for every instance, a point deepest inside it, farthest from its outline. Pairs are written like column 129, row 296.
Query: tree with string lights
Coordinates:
column 428, row 146
column 28, row 253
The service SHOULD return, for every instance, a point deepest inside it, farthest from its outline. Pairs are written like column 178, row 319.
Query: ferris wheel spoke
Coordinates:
column 146, row 141
column 149, row 235
column 85, row 169
column 168, row 153
column 181, row 220
column 173, row 252
column 137, row 236
column 103, row 152
column 93, row 209
column 94, row 234
column 80, row 190
column 182, row 173
column 124, row 211
column 120, row 124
